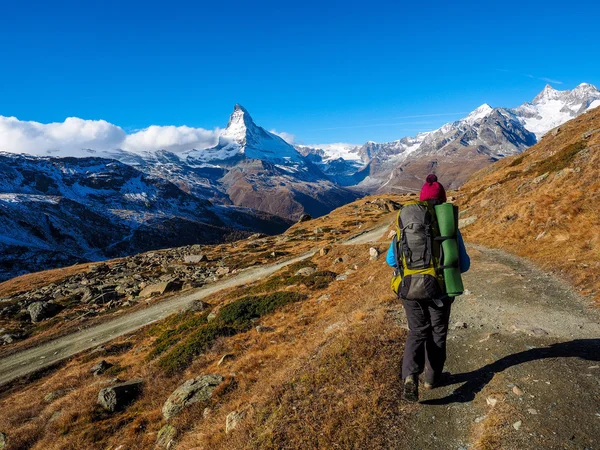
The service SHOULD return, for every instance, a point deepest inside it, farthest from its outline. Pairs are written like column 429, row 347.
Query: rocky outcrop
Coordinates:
column 118, row 397
column 192, row 391
column 39, row 311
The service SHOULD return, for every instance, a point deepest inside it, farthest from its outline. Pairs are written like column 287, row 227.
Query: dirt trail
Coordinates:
column 525, row 372
column 28, row 361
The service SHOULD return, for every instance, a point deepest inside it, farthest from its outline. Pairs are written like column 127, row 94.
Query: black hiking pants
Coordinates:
column 426, row 344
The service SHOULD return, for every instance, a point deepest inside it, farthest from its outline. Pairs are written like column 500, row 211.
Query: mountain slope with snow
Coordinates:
column 457, row 149
column 57, row 211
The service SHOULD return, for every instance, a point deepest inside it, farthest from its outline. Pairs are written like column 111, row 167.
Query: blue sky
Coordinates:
column 325, row 71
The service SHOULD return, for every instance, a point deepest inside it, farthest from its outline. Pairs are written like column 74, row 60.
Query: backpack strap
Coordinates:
column 399, row 266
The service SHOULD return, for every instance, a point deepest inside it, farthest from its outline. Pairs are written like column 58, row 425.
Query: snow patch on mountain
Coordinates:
column 336, row 150
column 478, row 114
column 551, row 108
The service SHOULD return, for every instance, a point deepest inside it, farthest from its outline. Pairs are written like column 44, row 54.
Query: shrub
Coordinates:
column 561, row 159
column 517, row 161
column 171, row 335
column 242, row 311
column 198, row 342
column 236, row 317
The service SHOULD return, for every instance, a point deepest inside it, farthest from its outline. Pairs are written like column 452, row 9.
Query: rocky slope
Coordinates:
column 544, row 204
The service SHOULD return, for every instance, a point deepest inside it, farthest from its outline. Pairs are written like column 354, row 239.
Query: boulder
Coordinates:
column 304, row 218
column 197, row 306
column 323, row 251
column 118, row 397
column 42, row 310
column 306, row 271
column 2, row 440
column 166, row 437
column 160, row 288
column 9, row 338
column 263, row 329
column 233, row 420
column 194, row 259
column 192, row 391
column 100, row 368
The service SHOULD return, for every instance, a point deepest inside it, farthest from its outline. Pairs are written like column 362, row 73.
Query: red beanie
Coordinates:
column 432, row 190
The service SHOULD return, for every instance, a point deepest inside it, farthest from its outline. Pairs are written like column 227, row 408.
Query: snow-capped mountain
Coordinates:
column 552, row 108
column 457, row 149
column 249, row 167
column 243, row 137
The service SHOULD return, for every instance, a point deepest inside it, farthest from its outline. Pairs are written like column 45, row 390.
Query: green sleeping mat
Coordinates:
column 447, row 217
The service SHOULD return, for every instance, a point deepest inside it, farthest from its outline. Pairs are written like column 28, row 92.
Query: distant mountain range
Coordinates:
column 56, row 211
column 455, row 150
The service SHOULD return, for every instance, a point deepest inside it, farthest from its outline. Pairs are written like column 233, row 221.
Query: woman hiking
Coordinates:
column 425, row 349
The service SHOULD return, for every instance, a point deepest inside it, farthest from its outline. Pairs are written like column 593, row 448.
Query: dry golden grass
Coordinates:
column 345, row 350
column 544, row 204
column 338, row 225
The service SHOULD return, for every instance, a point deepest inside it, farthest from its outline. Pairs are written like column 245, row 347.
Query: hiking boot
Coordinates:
column 411, row 388
column 433, row 381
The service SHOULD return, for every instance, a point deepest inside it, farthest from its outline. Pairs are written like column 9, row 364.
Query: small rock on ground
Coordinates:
column 233, row 420
column 166, row 437
column 517, row 391
column 197, row 306
column 306, row 271
column 194, row 259
column 100, row 368
column 373, row 253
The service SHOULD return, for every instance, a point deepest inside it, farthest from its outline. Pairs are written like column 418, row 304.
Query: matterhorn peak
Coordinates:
column 239, row 125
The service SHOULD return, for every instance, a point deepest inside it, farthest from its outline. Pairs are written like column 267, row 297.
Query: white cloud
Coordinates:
column 68, row 137
column 175, row 139
column 75, row 137
column 287, row 137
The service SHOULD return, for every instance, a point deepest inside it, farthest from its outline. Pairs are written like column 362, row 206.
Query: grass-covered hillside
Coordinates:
column 306, row 358
column 544, row 204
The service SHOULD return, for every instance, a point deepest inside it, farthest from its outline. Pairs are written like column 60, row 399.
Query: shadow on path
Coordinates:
column 475, row 381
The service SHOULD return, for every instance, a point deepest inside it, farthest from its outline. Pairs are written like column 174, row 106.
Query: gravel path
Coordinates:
column 28, row 361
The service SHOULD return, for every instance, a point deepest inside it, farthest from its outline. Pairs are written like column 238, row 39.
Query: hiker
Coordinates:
column 425, row 349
